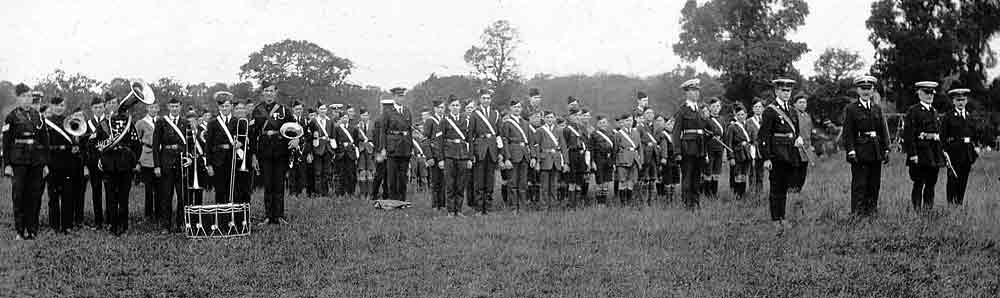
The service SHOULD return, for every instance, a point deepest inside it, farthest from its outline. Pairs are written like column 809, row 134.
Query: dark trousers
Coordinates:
column 548, row 180
column 348, row 169
column 378, row 182
column 26, row 188
column 299, row 176
column 171, row 213
column 118, row 186
column 242, row 191
column 322, row 171
column 438, row 192
column 221, row 180
column 151, row 184
column 454, row 183
column 780, row 182
column 922, row 193
column 865, row 183
column 273, row 174
column 396, row 171
column 483, row 178
column 691, row 169
column 956, row 184
column 96, row 186
column 518, row 184
column 756, row 175
column 62, row 199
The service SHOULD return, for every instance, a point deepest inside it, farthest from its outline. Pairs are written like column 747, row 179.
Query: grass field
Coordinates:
column 342, row 247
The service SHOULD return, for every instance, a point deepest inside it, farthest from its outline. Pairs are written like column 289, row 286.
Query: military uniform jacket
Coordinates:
column 602, row 144
column 576, row 143
column 516, row 139
column 89, row 143
column 666, row 146
column 121, row 157
column 452, row 139
column 865, row 132
column 395, row 133
column 168, row 143
column 219, row 140
column 627, row 147
column 430, row 128
column 647, row 137
column 956, row 137
column 777, row 134
column 921, row 136
column 24, row 139
column 270, row 144
column 483, row 133
column 718, row 130
column 321, row 133
column 548, row 149
column 65, row 154
column 690, row 130
column 738, row 139
column 145, row 127
column 346, row 142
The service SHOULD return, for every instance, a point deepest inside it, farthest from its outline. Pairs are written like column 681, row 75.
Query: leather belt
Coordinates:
column 868, row 133
column 172, row 147
column 223, row 146
column 693, row 131
column 24, row 141
column 516, row 143
column 966, row 140
column 398, row 132
column 549, row 150
column 456, row 141
column 26, row 134
column 784, row 135
column 270, row 132
column 929, row 136
column 486, row 135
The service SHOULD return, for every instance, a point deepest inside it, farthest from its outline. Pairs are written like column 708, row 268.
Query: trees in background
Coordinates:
column 492, row 59
column 745, row 40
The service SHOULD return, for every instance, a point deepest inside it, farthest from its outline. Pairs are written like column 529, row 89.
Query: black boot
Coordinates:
column 504, row 193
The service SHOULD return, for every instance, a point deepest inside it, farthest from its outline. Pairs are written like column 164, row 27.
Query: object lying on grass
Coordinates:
column 392, row 204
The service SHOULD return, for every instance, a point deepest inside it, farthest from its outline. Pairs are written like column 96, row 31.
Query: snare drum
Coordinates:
column 217, row 221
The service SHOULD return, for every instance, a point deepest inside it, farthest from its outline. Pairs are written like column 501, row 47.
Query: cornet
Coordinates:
column 75, row 125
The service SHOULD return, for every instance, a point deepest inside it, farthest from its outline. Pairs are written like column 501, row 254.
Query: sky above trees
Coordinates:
column 392, row 43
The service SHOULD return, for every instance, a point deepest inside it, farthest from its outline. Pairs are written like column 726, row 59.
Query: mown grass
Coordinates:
column 342, row 247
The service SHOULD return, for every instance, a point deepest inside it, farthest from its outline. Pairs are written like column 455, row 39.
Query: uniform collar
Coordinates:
column 925, row 106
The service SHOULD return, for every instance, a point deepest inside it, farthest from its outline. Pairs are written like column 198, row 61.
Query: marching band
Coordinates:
column 458, row 147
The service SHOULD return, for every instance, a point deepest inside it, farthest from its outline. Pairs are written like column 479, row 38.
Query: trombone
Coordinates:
column 242, row 129
column 191, row 159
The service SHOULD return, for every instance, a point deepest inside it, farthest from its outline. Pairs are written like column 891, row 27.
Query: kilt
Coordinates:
column 627, row 174
column 605, row 166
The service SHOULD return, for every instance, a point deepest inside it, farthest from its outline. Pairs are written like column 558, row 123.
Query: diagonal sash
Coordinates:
column 178, row 130
column 627, row 138
column 59, row 130
column 606, row 138
column 577, row 134
column 518, row 126
column 225, row 129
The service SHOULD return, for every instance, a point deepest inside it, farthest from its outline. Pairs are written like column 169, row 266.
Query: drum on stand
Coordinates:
column 217, row 221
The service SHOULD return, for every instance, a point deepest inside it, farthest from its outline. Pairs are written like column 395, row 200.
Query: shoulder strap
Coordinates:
column 783, row 116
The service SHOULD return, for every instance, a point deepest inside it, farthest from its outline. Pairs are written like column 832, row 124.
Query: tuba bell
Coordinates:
column 75, row 125
column 291, row 130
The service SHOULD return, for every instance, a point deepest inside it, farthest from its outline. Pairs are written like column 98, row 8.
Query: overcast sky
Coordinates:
column 393, row 43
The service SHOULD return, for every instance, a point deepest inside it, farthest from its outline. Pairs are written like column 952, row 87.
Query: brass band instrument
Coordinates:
column 194, row 157
column 140, row 92
column 242, row 129
column 75, row 125
column 292, row 131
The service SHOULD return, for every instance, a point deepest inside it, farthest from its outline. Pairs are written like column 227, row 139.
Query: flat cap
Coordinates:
column 926, row 84
column 959, row 91
column 691, row 84
column 865, row 80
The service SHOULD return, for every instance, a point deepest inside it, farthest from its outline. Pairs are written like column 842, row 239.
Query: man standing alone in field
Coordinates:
column 866, row 140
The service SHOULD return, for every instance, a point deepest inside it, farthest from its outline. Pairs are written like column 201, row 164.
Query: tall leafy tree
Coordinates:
column 76, row 89
column 745, row 39
column 492, row 59
column 835, row 64
column 303, row 70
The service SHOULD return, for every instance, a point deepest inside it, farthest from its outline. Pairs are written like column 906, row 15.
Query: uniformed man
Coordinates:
column 486, row 146
column 220, row 144
column 26, row 155
column 118, row 161
column 346, row 156
column 244, row 179
column 715, row 148
column 866, row 138
column 298, row 169
column 779, row 139
column 95, row 123
column 534, row 124
column 602, row 148
column 628, row 158
column 517, row 154
column 957, row 131
column 379, row 188
column 431, row 126
column 453, row 155
column 145, row 127
column 650, row 154
column 366, row 156
column 273, row 151
column 741, row 158
column 572, row 103
column 691, row 133
column 169, row 140
column 579, row 158
column 756, row 172
column 642, row 103
column 922, row 144
column 196, row 171
column 396, row 144
column 669, row 171
column 66, row 168
column 321, row 151
column 547, row 159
